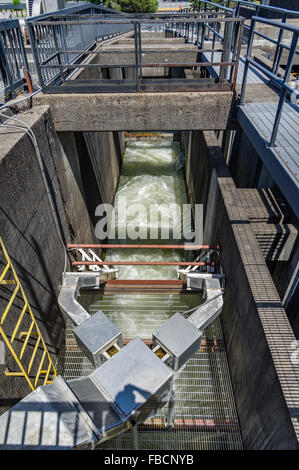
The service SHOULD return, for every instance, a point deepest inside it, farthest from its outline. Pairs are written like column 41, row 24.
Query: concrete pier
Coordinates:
column 131, row 111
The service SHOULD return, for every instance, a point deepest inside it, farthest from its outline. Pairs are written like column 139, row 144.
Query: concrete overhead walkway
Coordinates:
column 89, row 108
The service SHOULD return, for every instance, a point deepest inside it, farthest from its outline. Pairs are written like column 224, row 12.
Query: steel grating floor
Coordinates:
column 205, row 413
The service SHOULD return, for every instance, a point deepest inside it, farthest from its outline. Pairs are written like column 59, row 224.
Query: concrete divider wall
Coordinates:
column 257, row 332
column 249, row 171
column 27, row 224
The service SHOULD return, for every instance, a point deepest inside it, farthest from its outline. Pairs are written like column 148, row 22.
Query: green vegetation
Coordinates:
column 232, row 4
column 131, row 6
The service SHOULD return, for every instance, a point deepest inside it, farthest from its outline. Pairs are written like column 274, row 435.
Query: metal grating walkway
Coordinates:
column 254, row 76
column 257, row 120
column 205, row 413
column 282, row 161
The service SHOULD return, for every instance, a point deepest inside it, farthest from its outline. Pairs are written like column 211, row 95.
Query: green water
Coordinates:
column 152, row 173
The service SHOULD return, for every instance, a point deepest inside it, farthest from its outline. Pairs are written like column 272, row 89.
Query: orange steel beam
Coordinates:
column 156, row 282
column 142, row 263
column 143, row 285
column 194, row 424
column 213, row 345
column 170, row 247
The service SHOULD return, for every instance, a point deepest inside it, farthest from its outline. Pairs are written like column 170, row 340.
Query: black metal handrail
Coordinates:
column 281, row 83
column 47, row 41
column 234, row 8
column 18, row 11
column 58, row 56
column 237, row 4
column 13, row 60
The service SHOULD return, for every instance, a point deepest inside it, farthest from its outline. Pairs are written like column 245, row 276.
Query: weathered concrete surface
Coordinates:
column 122, row 51
column 144, row 41
column 30, row 236
column 276, row 241
column 27, row 223
column 268, row 221
column 257, row 332
column 258, row 93
column 249, row 172
column 151, row 54
column 245, row 163
column 106, row 150
column 282, row 274
column 131, row 111
column 284, row 55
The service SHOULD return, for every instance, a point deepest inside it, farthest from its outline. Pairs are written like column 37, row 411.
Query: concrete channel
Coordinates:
column 229, row 382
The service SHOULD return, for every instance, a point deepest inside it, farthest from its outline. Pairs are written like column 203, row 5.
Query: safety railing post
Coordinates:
column 6, row 75
column 278, row 50
column 31, row 34
column 248, row 55
column 204, row 26
column 226, row 50
column 59, row 52
column 136, row 56
column 140, row 50
column 197, row 33
column 284, row 89
column 236, row 53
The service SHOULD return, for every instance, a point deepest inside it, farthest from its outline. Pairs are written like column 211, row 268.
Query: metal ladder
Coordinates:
column 45, row 366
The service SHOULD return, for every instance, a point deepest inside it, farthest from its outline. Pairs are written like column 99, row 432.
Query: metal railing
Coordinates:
column 52, row 33
column 13, row 60
column 236, row 8
column 258, row 9
column 281, row 83
column 17, row 11
column 64, row 56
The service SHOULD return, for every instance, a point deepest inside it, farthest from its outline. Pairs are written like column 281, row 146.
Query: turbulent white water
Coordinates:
column 151, row 174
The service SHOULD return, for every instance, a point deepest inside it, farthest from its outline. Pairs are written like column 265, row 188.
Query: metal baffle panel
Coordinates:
column 208, row 311
column 95, row 335
column 67, row 301
column 50, row 417
column 135, row 381
column 122, row 392
column 179, row 338
column 104, row 416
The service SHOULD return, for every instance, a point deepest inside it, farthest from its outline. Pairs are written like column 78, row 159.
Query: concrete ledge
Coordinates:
column 139, row 111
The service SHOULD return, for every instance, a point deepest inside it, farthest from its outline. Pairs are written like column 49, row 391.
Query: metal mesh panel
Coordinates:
column 205, row 413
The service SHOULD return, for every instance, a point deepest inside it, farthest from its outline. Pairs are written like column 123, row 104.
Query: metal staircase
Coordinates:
column 39, row 365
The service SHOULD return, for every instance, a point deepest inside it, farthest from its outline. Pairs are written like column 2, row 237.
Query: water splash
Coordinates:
column 151, row 174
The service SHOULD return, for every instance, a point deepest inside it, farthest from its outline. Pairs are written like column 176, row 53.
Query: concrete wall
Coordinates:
column 245, row 163
column 129, row 111
column 282, row 273
column 27, row 224
column 248, row 171
column 256, row 329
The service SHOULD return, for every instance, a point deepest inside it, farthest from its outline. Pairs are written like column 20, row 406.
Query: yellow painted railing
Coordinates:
column 43, row 366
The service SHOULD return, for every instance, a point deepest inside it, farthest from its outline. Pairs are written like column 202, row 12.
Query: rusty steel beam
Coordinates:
column 153, row 287
column 141, row 263
column 199, row 425
column 172, row 247
column 210, row 345
column 142, row 282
